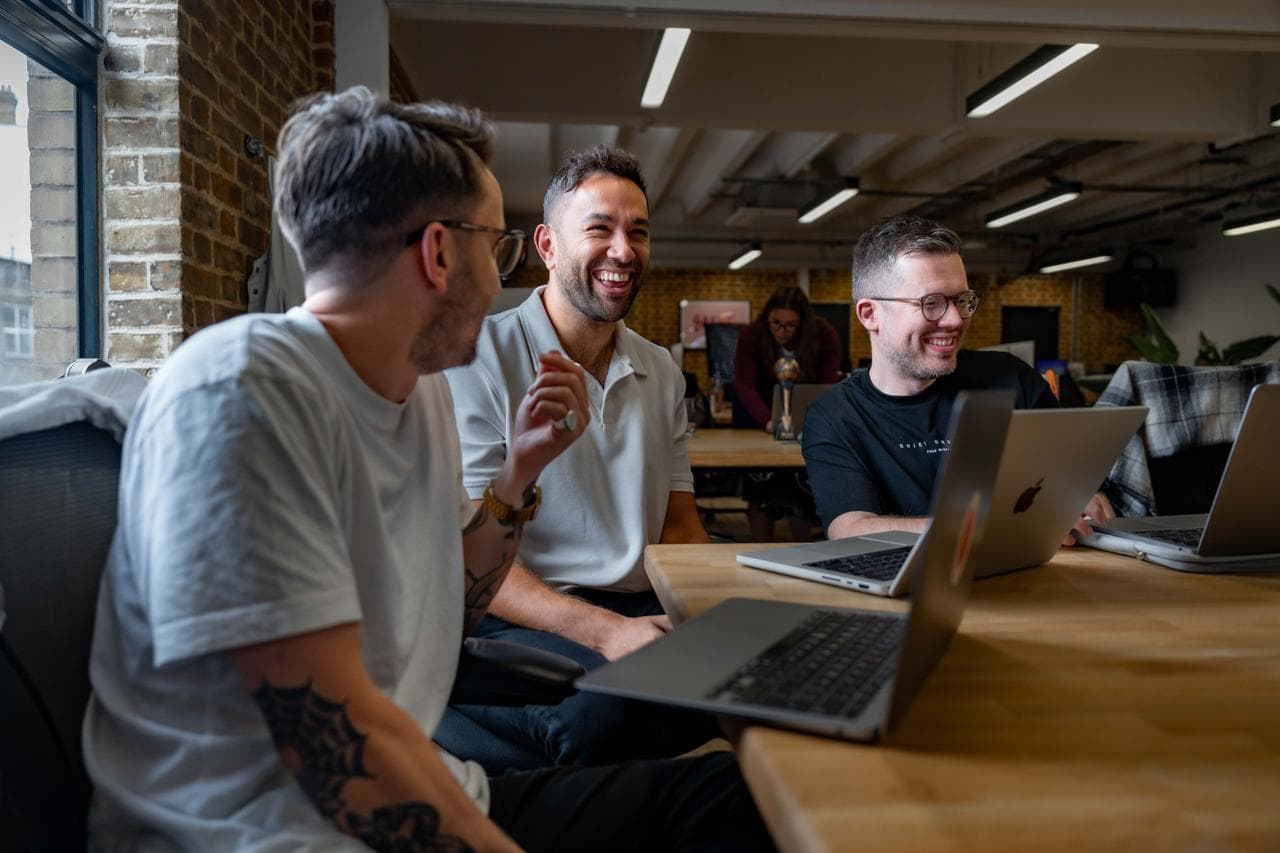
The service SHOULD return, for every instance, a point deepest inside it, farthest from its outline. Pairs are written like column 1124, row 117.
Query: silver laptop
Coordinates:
column 1047, row 474
column 802, row 394
column 833, row 671
column 1240, row 531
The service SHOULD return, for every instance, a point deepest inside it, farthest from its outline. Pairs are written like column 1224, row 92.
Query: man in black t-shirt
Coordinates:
column 873, row 444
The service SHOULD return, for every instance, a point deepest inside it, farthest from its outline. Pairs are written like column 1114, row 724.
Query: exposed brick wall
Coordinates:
column 140, row 190
column 186, row 209
column 1102, row 332
column 240, row 66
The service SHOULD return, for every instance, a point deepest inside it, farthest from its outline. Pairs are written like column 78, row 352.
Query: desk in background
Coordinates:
column 742, row 448
column 1093, row 702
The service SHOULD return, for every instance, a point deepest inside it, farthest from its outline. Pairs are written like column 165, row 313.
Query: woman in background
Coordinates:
column 786, row 327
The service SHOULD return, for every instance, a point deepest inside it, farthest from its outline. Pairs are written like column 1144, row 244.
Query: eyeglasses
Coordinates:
column 934, row 305
column 507, row 252
column 783, row 327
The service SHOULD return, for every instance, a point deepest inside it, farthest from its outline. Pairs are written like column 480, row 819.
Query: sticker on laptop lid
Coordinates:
column 964, row 542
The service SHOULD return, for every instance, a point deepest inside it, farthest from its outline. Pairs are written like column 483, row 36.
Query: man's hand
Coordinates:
column 544, row 424
column 631, row 632
column 1097, row 511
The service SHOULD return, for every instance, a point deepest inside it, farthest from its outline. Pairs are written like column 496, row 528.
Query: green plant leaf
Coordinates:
column 1248, row 348
column 1156, row 345
column 1209, row 353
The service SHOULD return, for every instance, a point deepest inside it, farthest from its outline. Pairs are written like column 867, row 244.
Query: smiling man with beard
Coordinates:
column 873, row 444
column 578, row 585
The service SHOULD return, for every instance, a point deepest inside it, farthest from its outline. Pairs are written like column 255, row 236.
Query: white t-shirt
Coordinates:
column 605, row 498
column 266, row 491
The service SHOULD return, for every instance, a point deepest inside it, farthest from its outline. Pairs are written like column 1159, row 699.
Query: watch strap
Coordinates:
column 507, row 514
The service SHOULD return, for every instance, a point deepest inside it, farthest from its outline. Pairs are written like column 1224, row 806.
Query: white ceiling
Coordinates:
column 1166, row 124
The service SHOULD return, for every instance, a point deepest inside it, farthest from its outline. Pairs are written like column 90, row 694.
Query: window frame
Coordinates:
column 20, row 330
column 65, row 42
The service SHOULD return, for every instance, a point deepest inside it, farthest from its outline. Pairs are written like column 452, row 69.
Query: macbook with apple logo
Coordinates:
column 1052, row 462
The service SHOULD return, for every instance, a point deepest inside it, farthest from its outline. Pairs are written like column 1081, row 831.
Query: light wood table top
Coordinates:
column 742, row 448
column 1094, row 702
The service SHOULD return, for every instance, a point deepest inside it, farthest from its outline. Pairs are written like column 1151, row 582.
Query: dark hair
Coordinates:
column 807, row 340
column 882, row 244
column 602, row 159
column 357, row 172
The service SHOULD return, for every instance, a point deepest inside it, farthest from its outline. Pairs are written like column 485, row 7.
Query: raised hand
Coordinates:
column 551, row 415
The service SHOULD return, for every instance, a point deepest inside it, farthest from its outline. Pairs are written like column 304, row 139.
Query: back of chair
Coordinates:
column 722, row 346
column 57, row 516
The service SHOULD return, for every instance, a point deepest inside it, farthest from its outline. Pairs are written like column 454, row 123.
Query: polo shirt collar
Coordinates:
column 533, row 314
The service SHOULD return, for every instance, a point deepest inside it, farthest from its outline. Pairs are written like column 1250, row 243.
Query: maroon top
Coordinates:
column 754, row 387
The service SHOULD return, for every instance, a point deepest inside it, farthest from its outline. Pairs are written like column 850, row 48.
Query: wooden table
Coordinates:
column 742, row 448
column 1094, row 702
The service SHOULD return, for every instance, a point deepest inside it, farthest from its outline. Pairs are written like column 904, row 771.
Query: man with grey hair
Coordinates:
column 578, row 586
column 296, row 563
column 873, row 444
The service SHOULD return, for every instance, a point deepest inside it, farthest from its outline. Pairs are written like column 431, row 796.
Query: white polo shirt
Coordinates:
column 605, row 497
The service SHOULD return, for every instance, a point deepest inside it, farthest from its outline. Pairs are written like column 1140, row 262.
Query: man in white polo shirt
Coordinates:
column 578, row 585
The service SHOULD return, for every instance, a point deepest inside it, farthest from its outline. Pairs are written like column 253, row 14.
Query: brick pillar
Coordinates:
column 140, row 187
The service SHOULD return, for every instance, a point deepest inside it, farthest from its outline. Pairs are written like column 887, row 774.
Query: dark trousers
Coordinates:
column 689, row 804
column 586, row 728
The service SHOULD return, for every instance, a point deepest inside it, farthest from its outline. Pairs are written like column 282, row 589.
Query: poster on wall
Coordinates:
column 696, row 313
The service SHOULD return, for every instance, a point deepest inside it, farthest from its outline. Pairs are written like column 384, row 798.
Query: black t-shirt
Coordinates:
column 868, row 451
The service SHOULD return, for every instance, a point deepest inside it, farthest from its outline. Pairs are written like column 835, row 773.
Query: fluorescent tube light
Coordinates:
column 664, row 66
column 745, row 257
column 1047, row 200
column 1076, row 264
column 847, row 190
column 1248, row 225
column 1025, row 75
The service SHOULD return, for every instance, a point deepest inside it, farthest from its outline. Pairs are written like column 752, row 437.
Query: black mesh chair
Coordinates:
column 57, row 517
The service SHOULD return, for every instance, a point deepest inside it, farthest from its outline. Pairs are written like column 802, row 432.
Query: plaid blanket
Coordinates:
column 1190, row 407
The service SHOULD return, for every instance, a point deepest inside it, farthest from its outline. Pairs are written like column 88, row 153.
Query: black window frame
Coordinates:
column 65, row 42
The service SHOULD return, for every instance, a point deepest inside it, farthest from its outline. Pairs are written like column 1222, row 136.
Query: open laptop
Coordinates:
column 833, row 671
column 1047, row 474
column 1240, row 531
column 802, row 394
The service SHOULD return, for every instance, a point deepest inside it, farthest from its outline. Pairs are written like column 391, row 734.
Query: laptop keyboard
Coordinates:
column 877, row 565
column 832, row 663
column 1187, row 536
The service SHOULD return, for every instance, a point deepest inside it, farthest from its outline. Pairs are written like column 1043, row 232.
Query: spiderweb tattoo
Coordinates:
column 323, row 750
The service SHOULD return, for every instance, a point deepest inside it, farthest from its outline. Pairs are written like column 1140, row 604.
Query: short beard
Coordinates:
column 578, row 289
column 435, row 347
column 909, row 366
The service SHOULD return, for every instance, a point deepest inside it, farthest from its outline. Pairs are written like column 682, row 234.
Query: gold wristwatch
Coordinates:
column 505, row 513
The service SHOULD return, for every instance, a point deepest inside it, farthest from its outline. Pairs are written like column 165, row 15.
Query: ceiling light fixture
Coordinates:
column 1275, row 115
column 1038, row 66
column 664, row 66
column 820, row 208
column 1091, row 261
column 1250, row 224
column 745, row 257
column 1055, row 196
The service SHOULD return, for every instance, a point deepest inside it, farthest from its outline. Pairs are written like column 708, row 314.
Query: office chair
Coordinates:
column 1173, row 464
column 57, row 517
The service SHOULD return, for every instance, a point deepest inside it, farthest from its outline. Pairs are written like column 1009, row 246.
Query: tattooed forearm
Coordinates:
column 483, row 582
column 324, row 751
